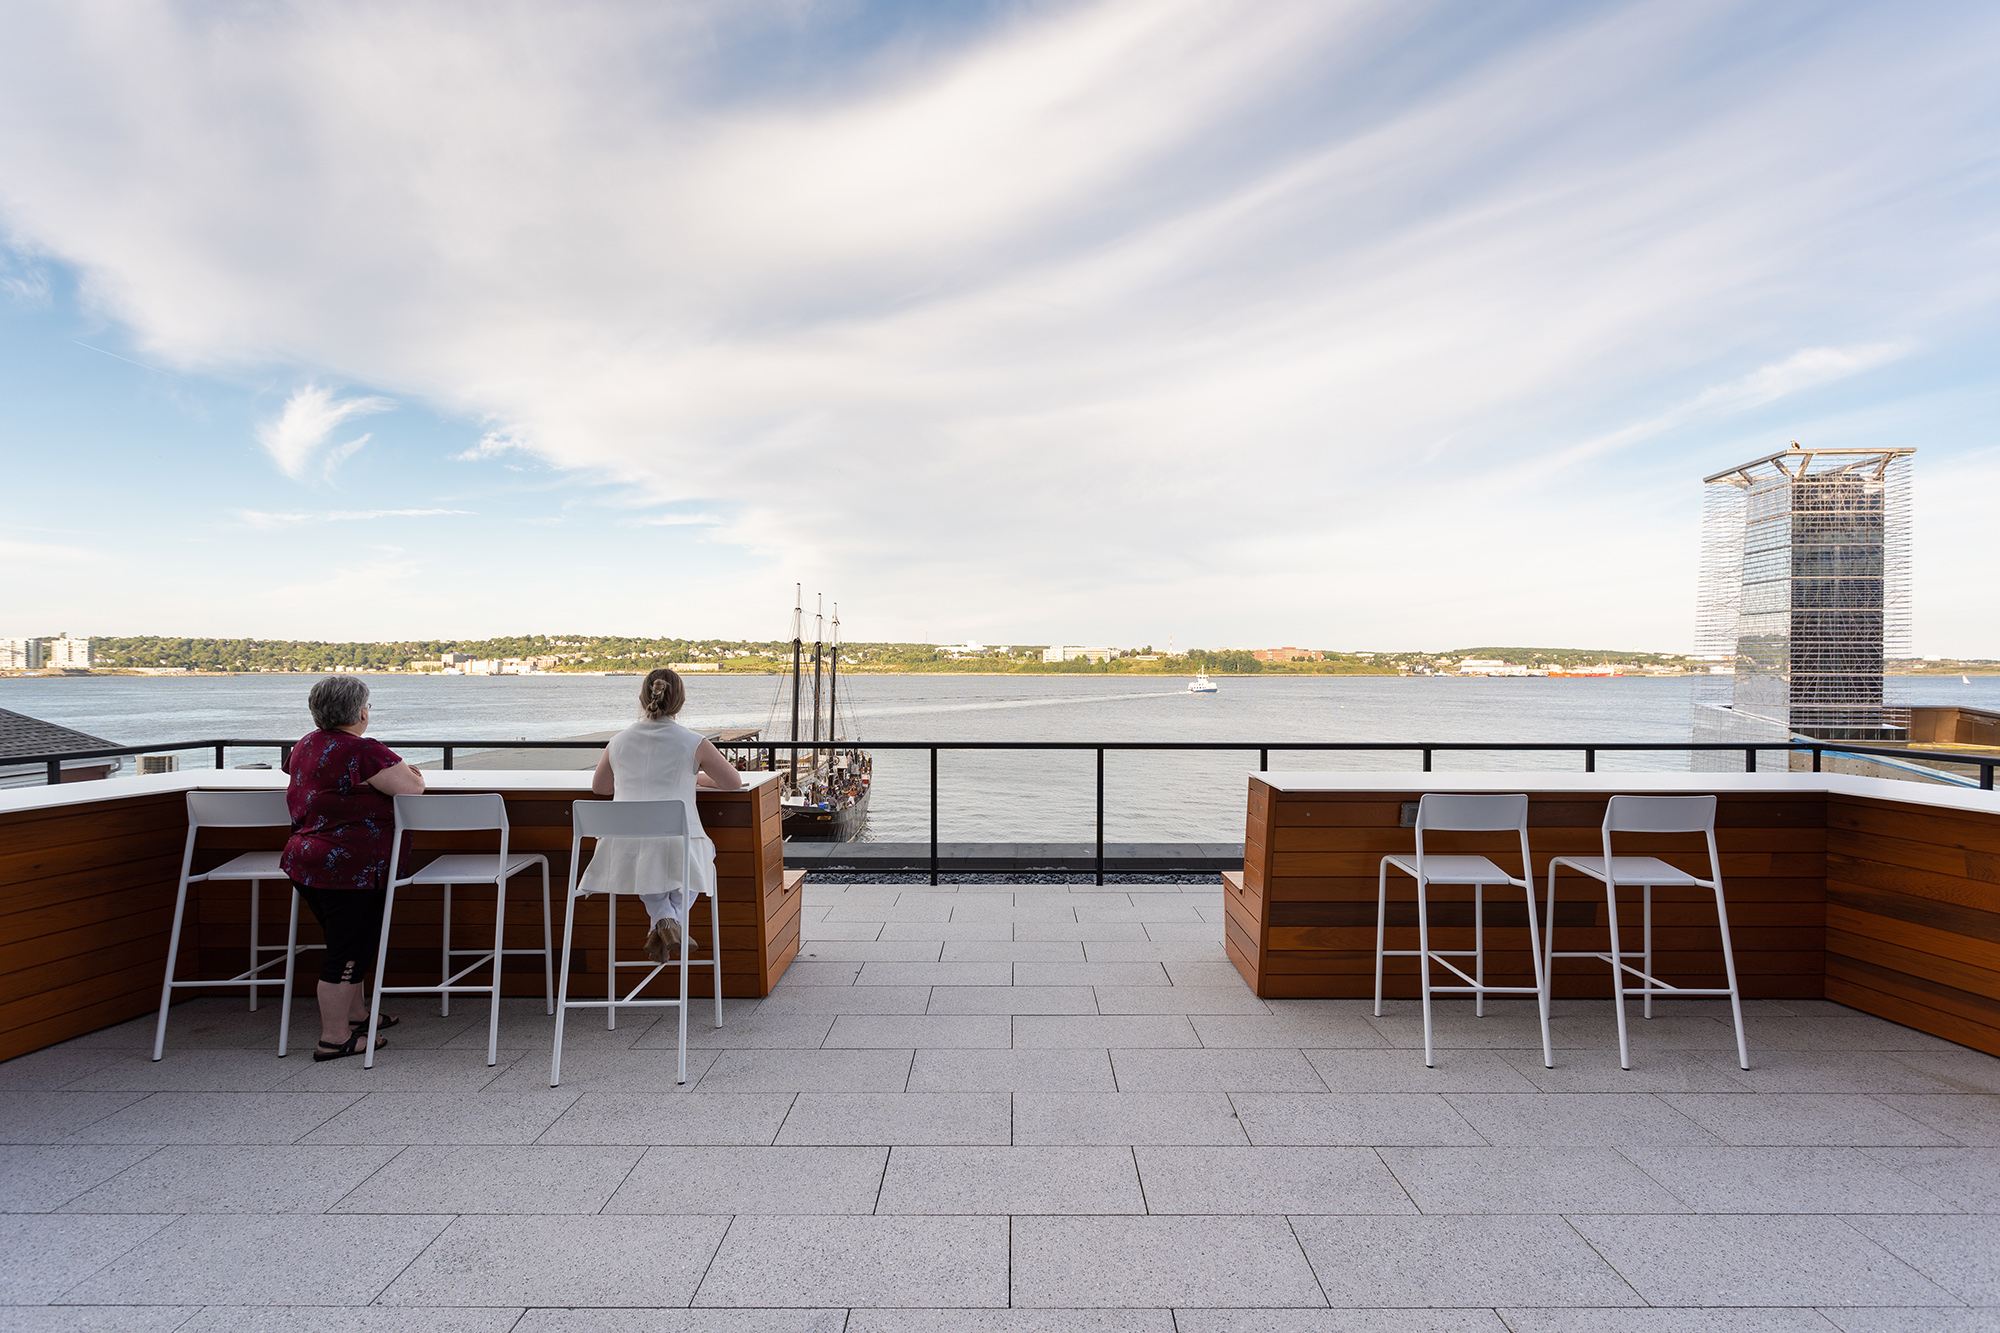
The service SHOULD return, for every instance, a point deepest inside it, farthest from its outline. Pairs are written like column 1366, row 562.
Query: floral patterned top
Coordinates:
column 342, row 828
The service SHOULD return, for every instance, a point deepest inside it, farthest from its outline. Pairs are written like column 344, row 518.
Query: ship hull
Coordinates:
column 841, row 825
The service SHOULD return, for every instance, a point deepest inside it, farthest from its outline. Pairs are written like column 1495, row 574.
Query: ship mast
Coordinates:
column 833, row 681
column 798, row 633
column 819, row 638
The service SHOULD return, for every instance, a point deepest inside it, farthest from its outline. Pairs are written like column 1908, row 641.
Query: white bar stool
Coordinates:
column 1463, row 814
column 1651, row 814
column 461, row 814
column 656, row 821
column 250, row 809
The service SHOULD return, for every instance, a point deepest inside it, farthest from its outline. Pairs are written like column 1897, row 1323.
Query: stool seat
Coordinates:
column 250, row 865
column 1453, row 869
column 1635, row 870
column 470, row 868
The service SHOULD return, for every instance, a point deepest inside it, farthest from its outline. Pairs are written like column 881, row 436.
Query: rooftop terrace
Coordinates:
column 1009, row 1108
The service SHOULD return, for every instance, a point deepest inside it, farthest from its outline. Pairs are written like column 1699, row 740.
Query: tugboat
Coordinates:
column 1201, row 684
column 824, row 791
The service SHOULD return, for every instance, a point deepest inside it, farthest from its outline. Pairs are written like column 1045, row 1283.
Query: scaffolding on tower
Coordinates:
column 1804, row 598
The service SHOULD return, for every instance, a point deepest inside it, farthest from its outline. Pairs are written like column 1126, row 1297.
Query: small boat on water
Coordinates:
column 1201, row 684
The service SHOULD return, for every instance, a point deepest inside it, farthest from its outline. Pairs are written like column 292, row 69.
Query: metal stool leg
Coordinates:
column 715, row 950
column 499, row 960
column 256, row 896
column 1735, row 993
column 1541, row 972
column 1424, row 966
column 682, row 1010
column 1647, row 944
column 173, row 956
column 1617, row 972
column 291, row 964
column 562, row 996
column 611, row 962
column 1381, row 918
column 444, row 959
column 548, row 945
column 1478, row 950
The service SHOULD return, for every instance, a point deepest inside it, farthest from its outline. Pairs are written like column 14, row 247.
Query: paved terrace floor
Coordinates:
column 1008, row 1109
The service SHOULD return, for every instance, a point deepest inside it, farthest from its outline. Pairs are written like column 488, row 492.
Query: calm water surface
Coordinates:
column 983, row 797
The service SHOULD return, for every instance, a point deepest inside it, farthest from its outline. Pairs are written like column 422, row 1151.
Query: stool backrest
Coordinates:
column 1471, row 814
column 1659, row 814
column 238, row 809
column 451, row 814
column 630, row 819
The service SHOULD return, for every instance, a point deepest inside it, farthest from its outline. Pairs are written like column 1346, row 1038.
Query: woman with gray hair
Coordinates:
column 342, row 801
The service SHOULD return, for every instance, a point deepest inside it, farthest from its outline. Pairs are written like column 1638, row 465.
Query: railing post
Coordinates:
column 55, row 772
column 1100, row 814
column 1819, row 752
column 1749, row 759
column 934, row 826
column 1589, row 760
column 1263, row 761
column 1427, row 761
column 1986, row 777
column 447, row 757
column 221, row 760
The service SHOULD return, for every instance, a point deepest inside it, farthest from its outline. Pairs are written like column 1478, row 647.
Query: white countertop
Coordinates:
column 1610, row 784
column 270, row 779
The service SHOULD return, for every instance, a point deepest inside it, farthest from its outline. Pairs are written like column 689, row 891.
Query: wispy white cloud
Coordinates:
column 305, row 424
column 1145, row 315
column 258, row 518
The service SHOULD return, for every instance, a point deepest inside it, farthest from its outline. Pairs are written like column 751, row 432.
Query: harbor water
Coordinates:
column 983, row 797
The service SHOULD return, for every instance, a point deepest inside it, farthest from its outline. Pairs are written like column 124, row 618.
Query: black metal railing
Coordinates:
column 1819, row 750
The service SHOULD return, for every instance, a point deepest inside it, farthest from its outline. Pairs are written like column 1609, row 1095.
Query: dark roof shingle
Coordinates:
column 23, row 735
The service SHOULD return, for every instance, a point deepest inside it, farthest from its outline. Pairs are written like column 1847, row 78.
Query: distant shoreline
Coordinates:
column 128, row 674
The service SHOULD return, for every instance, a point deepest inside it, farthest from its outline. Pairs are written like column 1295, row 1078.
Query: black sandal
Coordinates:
column 328, row 1051
column 361, row 1024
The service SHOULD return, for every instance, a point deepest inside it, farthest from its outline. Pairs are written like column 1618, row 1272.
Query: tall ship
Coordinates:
column 824, row 779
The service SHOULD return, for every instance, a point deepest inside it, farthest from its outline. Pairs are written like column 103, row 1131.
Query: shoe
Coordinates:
column 663, row 939
column 330, row 1051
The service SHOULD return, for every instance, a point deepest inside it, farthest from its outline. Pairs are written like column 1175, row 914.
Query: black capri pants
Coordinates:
column 351, row 920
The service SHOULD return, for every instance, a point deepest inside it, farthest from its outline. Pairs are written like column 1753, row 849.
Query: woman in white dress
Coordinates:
column 658, row 759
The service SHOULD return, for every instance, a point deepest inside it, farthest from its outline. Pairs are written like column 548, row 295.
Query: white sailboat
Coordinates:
column 1201, row 684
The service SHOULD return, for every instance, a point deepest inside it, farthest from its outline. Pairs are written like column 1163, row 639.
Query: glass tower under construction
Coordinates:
column 1805, row 595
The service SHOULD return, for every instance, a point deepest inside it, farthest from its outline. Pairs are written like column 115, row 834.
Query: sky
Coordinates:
column 1336, row 323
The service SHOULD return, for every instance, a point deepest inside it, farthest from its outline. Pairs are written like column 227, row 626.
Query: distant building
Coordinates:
column 1489, row 666
column 1288, row 655
column 68, row 654
column 1070, row 652
column 21, row 735
column 21, row 654
column 696, row 666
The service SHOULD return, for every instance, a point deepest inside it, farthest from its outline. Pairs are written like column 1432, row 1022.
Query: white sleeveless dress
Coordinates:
column 654, row 761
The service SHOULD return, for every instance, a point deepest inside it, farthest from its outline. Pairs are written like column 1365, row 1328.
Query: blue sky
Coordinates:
column 1347, row 324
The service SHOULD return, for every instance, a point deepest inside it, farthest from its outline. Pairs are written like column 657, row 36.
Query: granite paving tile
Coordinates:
column 1090, row 974
column 1125, row 1262
column 410, row 1071
column 534, row 1261
column 610, row 1071
column 488, row 1179
column 53, row 1066
column 725, row 1181
column 446, row 1117
column 1576, row 1119
column 235, row 1178
column 1013, row 1000
column 870, row 951
column 1527, row 1180
column 800, row 975
column 1207, row 948
column 1826, row 1071
column 888, row 1119
column 943, row 1262
column 1973, row 1120
column 1959, row 1254
column 1382, row 1262
column 1769, row 1260
column 1598, row 1071
column 219, row 1117
column 1125, row 1118
column 807, row 1071
column 37, row 1179
column 1782, row 1180
column 1846, row 1032
column 1914, row 1320
column 1399, row 1071
column 1962, row 1178
column 936, row 974
column 1086, row 1030
column 51, row 1117
column 1236, row 999
column 106, row 1318
column 1282, row 1028
column 846, row 930
column 937, row 1031
column 970, row 1181
column 1012, row 951
column 719, row 1118
column 47, row 1256
column 221, row 1259
column 1084, row 931
column 1966, row 1071
column 1338, row 1119
column 1803, row 1119
column 1203, row 972
column 193, row 1071
column 1054, row 1070
column 1766, row 1319
column 829, row 1001
column 1263, row 1181
column 684, row 1321
column 1262, row 1069
column 1338, row 1321
column 947, row 931
column 1011, row 1321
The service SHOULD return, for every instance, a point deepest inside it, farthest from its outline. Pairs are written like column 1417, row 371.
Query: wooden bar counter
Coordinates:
column 1879, row 894
column 88, row 872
